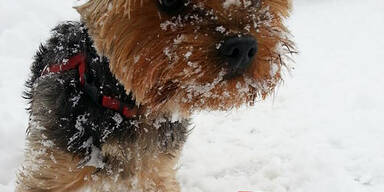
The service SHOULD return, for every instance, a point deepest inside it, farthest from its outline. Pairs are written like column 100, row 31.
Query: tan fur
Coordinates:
column 130, row 167
column 143, row 173
column 49, row 169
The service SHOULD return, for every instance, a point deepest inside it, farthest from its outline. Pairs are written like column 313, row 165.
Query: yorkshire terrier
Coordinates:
column 111, row 96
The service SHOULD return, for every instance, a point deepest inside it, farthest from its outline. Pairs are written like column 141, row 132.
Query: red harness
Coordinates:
column 78, row 62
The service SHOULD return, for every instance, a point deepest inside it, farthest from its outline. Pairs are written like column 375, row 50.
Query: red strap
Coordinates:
column 116, row 105
column 111, row 103
column 78, row 62
column 129, row 113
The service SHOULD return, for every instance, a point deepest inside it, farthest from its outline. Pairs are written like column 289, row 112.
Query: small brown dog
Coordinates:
column 111, row 96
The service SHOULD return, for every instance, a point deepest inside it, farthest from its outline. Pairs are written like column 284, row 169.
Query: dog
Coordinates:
column 110, row 96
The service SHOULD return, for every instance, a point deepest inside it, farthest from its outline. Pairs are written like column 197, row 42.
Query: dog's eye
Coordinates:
column 171, row 6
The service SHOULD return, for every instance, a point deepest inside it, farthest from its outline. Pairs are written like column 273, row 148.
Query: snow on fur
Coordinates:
column 322, row 132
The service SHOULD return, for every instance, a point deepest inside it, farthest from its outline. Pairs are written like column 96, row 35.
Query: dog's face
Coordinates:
column 178, row 56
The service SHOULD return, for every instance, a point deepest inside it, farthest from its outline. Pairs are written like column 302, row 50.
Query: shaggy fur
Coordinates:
column 166, row 64
column 147, row 51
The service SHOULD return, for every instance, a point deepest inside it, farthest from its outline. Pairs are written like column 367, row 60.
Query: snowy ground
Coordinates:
column 322, row 132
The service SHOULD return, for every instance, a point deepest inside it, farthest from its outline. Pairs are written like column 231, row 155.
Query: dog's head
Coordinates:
column 178, row 56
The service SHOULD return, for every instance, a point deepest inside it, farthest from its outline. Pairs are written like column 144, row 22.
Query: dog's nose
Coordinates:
column 238, row 53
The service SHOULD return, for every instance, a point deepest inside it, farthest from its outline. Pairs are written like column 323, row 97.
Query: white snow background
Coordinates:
column 322, row 132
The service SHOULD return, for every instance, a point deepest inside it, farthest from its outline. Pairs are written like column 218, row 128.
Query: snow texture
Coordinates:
column 322, row 132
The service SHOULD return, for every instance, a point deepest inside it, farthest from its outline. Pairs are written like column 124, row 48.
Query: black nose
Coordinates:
column 171, row 6
column 238, row 53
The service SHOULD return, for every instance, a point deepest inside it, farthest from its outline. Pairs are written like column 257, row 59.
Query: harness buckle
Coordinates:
column 91, row 90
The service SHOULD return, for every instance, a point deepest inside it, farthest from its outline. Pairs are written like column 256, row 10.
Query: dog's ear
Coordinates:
column 282, row 7
column 96, row 10
column 92, row 7
column 95, row 7
column 102, row 17
column 91, row 14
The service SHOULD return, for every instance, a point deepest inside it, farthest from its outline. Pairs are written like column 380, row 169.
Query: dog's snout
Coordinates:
column 238, row 53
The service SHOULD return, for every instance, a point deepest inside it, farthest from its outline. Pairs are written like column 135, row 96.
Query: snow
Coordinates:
column 228, row 3
column 322, row 131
